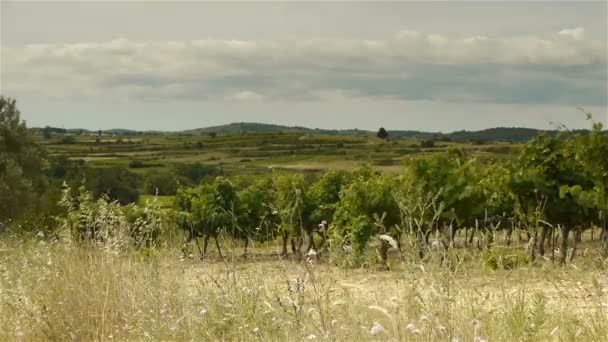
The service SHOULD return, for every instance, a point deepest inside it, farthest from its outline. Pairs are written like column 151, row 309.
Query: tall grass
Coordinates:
column 56, row 291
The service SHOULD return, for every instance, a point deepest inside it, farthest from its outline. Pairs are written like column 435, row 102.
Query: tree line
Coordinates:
column 556, row 183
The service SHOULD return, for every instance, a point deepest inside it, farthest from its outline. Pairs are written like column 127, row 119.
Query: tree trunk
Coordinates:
column 541, row 241
column 284, row 247
column 383, row 251
column 217, row 244
column 205, row 244
column 564, row 247
column 577, row 239
column 452, row 231
column 508, row 235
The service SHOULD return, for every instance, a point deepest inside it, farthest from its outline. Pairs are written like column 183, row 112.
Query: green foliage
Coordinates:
column 196, row 172
column 291, row 202
column 161, row 183
column 22, row 163
column 117, row 183
column 256, row 218
column 382, row 133
column 366, row 208
column 68, row 140
column 107, row 223
column 325, row 194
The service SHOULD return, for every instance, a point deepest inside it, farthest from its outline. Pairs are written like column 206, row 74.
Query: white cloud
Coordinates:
column 247, row 95
column 563, row 66
column 576, row 33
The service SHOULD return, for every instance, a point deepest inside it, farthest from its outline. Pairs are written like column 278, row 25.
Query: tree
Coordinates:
column 46, row 133
column 117, row 183
column 367, row 209
column 196, row 172
column 22, row 163
column 382, row 133
column 161, row 183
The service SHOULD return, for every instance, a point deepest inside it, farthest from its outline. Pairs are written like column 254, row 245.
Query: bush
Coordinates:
column 196, row 172
column 427, row 143
column 67, row 140
column 137, row 164
column 117, row 183
column 160, row 183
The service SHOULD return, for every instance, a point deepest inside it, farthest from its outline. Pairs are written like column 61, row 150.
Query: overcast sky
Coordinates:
column 434, row 66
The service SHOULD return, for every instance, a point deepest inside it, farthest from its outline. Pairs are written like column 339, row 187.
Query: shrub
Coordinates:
column 137, row 164
column 162, row 183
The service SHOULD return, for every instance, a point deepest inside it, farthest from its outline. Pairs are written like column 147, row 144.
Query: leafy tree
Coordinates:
column 117, row 183
column 382, row 133
column 196, row 172
column 591, row 149
column 68, row 140
column 47, row 133
column 543, row 169
column 292, row 206
column 208, row 210
column 367, row 209
column 22, row 164
column 256, row 218
column 161, row 183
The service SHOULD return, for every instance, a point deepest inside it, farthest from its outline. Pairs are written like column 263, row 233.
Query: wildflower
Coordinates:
column 579, row 332
column 203, row 312
column 311, row 337
column 481, row 339
column 411, row 327
column 424, row 318
column 376, row 329
column 256, row 330
column 389, row 239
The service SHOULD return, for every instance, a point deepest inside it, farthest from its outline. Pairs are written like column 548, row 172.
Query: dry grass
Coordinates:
column 62, row 292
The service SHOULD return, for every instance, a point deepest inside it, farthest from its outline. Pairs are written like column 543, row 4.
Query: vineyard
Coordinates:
column 547, row 197
column 458, row 242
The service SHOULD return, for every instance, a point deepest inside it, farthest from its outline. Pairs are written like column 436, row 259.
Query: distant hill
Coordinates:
column 253, row 127
column 511, row 134
column 514, row 134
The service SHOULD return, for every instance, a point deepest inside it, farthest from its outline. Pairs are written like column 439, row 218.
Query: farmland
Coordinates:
column 285, row 235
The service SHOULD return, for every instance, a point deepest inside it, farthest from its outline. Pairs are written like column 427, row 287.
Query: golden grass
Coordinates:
column 53, row 291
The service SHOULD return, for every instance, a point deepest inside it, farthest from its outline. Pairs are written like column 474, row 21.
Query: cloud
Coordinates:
column 561, row 68
column 246, row 95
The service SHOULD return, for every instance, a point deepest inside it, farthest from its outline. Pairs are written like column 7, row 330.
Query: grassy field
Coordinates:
column 252, row 152
column 57, row 291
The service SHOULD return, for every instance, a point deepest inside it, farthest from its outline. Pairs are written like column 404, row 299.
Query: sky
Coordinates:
column 431, row 66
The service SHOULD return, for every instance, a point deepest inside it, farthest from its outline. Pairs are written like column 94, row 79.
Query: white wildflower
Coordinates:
column 424, row 318
column 411, row 327
column 311, row 337
column 376, row 329
column 391, row 241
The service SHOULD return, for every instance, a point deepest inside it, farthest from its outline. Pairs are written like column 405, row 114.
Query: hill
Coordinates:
column 514, row 134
